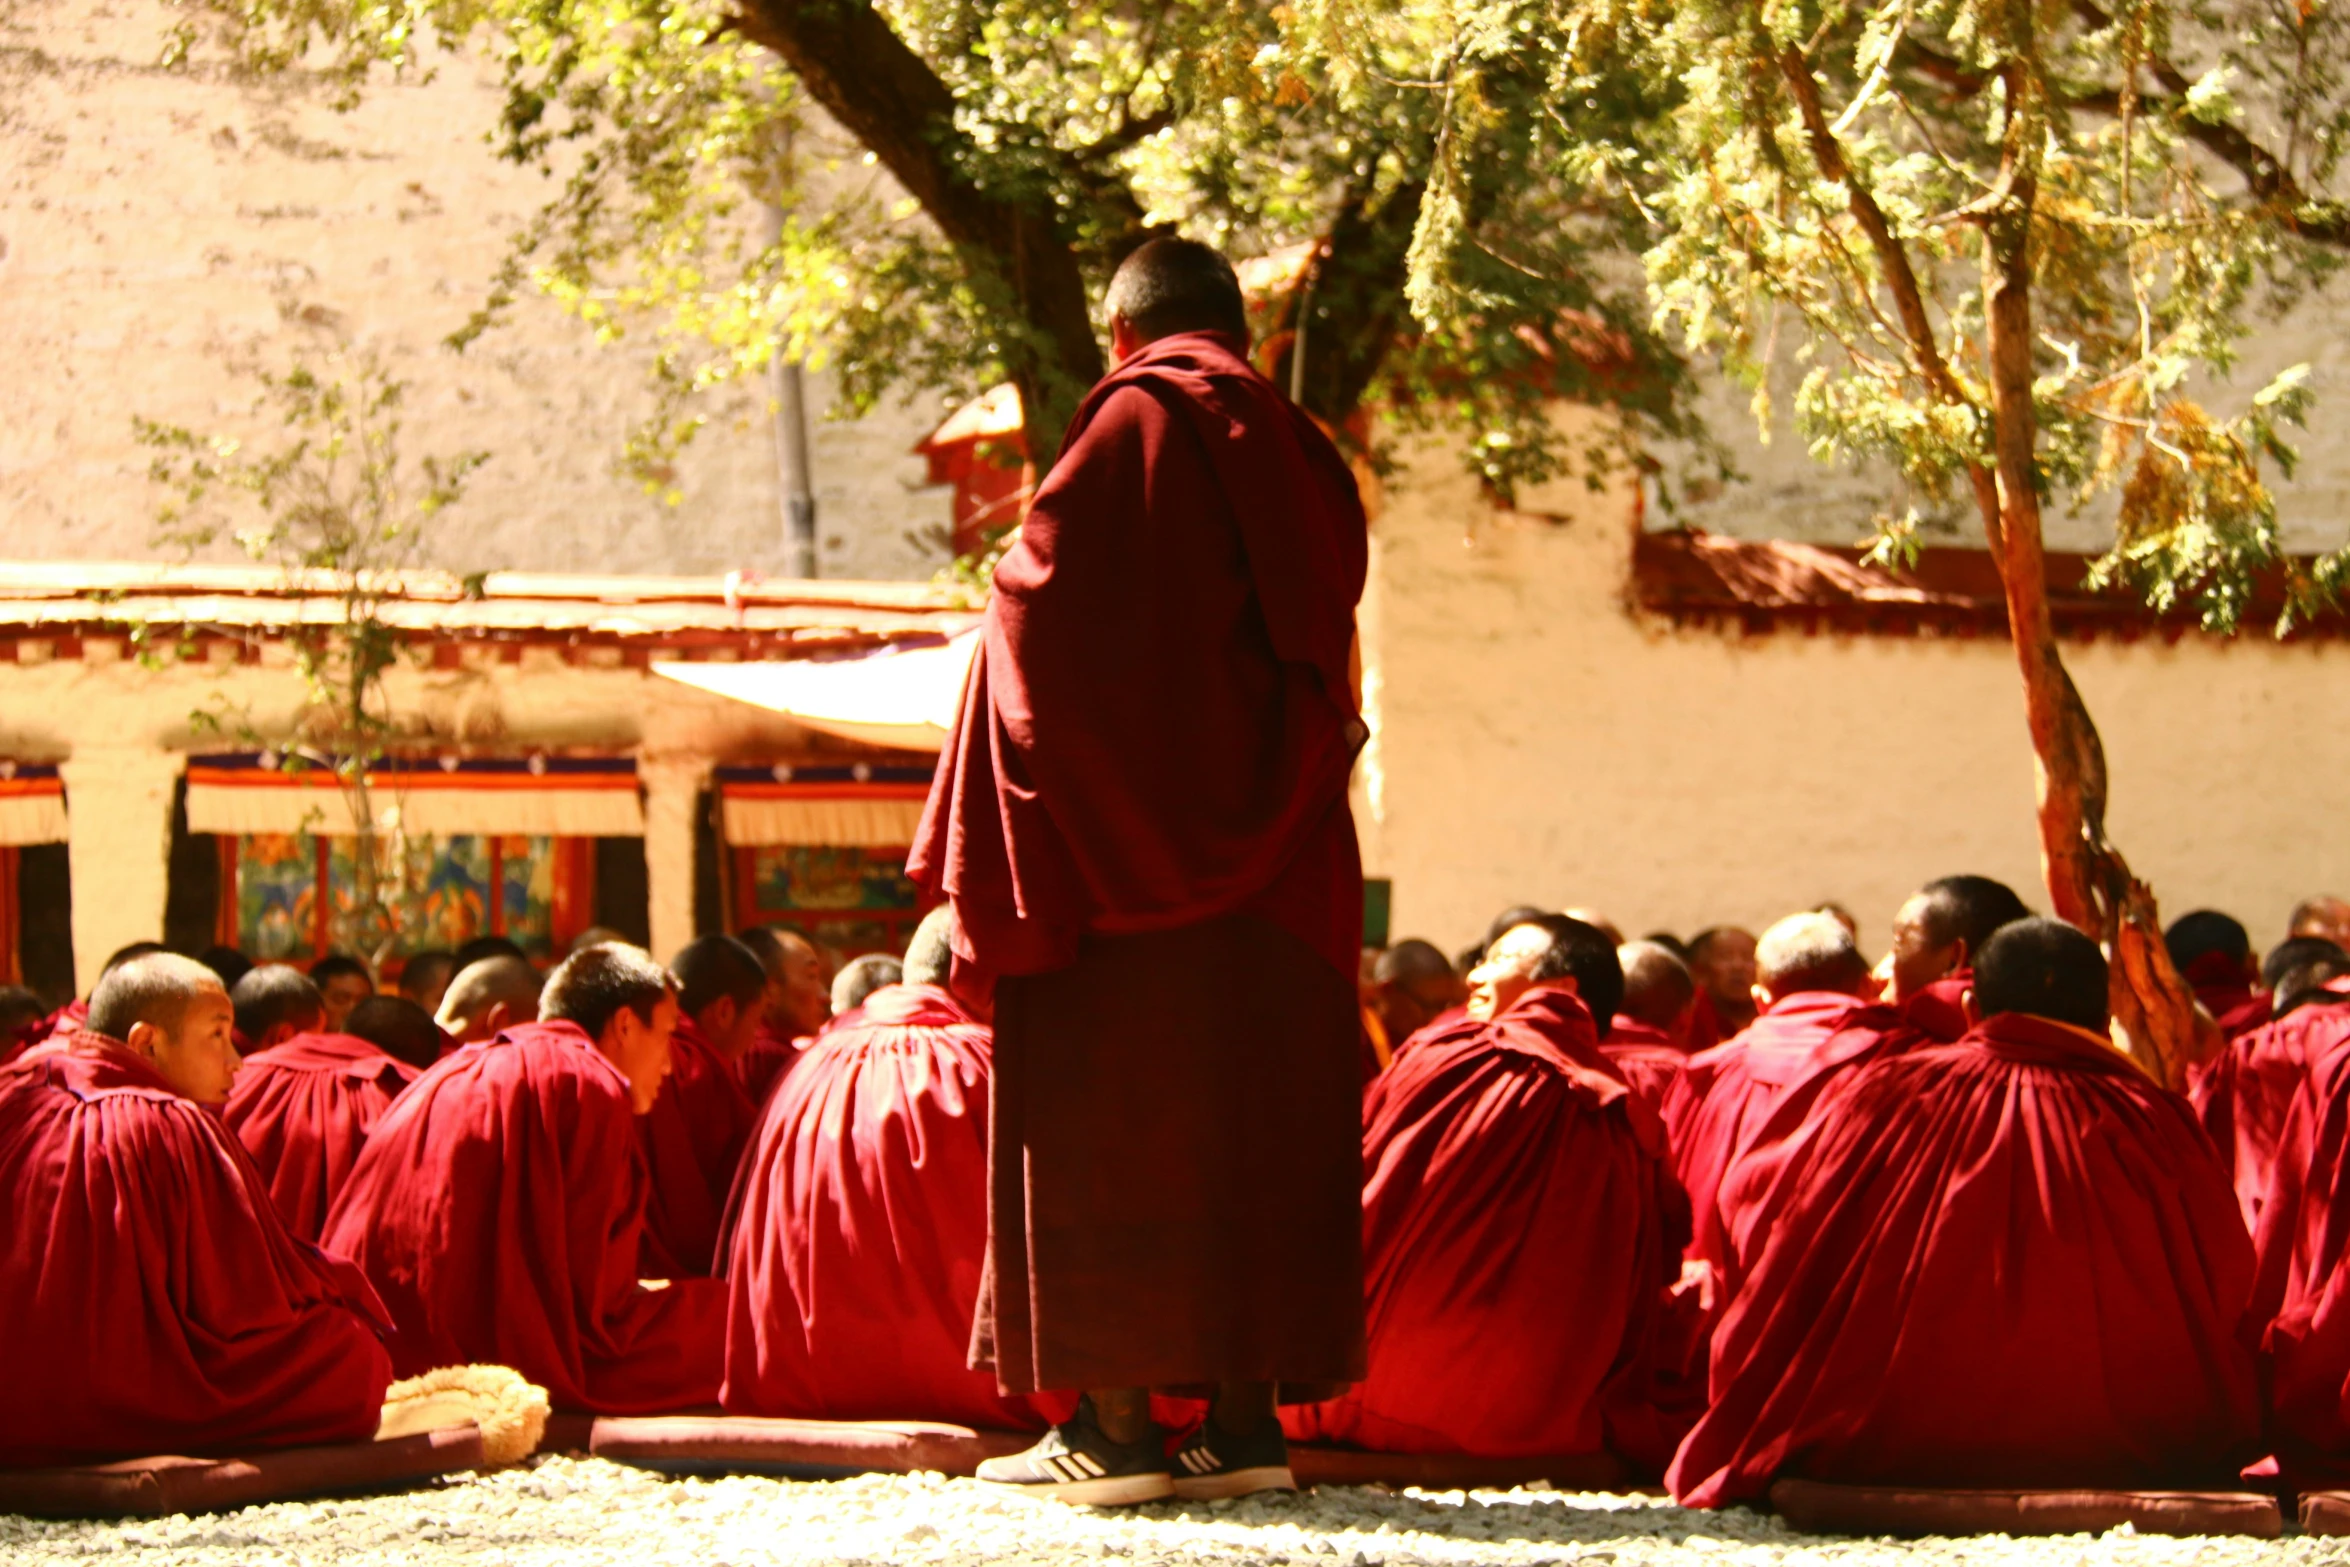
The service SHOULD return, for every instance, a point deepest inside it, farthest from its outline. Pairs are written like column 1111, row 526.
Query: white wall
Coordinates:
column 1537, row 742
column 162, row 235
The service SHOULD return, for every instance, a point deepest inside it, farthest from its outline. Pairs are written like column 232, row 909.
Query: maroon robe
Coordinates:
column 2303, row 1296
column 1141, row 822
column 859, row 1227
column 2012, row 1261
column 1516, row 1239
column 1646, row 1056
column 2246, row 1091
column 303, row 1109
column 692, row 1138
column 498, row 1208
column 1722, row 1100
column 154, row 1301
column 769, row 1057
column 2233, row 1000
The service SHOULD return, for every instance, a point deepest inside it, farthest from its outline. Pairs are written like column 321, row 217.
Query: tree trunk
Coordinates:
column 2089, row 884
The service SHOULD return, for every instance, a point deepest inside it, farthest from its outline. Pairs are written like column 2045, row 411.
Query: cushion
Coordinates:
column 1820, row 1508
column 158, row 1486
column 568, row 1431
column 806, row 1449
column 2325, row 1512
column 1451, row 1471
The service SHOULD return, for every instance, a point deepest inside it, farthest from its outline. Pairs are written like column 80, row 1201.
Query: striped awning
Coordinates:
column 572, row 797
column 32, row 803
column 856, row 806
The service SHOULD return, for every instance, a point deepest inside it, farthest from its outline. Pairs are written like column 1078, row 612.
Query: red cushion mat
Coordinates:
column 2325, row 1512
column 158, row 1486
column 1820, row 1508
column 1451, row 1471
column 885, row 1446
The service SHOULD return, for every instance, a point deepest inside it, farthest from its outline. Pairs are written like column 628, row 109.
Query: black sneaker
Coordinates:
column 1213, row 1463
column 1075, row 1462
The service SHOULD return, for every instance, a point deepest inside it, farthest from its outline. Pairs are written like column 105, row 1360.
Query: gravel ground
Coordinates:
column 573, row 1512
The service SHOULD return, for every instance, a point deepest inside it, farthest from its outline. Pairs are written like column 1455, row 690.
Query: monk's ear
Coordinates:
column 143, row 1038
column 279, row 1033
column 1960, row 958
column 719, row 1017
column 1966, row 1005
column 496, row 1020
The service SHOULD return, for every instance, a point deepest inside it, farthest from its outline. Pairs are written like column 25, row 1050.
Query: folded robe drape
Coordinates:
column 1724, row 1096
column 692, row 1138
column 2303, row 1296
column 2245, row 1093
column 303, row 1110
column 1516, row 1240
column 2009, row 1261
column 770, row 1056
column 1646, row 1056
column 153, row 1299
column 858, row 1230
column 498, row 1208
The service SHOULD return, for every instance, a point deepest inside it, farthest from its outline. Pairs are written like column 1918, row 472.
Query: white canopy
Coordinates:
column 902, row 697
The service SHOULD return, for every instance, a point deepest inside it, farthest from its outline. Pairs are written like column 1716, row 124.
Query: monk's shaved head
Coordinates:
column 1657, row 984
column 1510, row 918
column 1969, row 909
column 1546, row 948
column 481, row 988
column 155, row 988
column 1411, row 960
column 122, row 955
column 930, row 956
column 863, row 976
column 709, row 968
column 800, row 999
column 398, row 1027
column 1599, row 922
column 2045, row 968
column 2297, row 972
column 1808, row 952
column 2209, row 934
column 592, row 985
column 276, row 1000
column 1177, row 285
column 2326, row 917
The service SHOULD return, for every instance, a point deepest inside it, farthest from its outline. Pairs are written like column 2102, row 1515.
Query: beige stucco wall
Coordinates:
column 1537, row 743
column 162, row 235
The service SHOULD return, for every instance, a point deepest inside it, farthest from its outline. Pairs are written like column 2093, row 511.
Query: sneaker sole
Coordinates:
column 1108, row 1491
column 1236, row 1482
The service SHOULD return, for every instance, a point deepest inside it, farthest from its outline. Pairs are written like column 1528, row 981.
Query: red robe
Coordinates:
column 857, row 1233
column 1721, row 1101
column 154, row 1301
column 2012, row 1261
column 693, row 1138
column 2303, row 1296
column 769, row 1057
column 303, row 1109
column 498, row 1208
column 2245, row 1093
column 1515, row 1240
column 2234, row 1001
column 1646, row 1056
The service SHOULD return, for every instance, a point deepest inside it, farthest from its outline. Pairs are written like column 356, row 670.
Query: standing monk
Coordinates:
column 1141, row 822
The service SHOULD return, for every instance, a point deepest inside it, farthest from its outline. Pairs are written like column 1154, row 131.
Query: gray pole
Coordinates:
column 792, row 470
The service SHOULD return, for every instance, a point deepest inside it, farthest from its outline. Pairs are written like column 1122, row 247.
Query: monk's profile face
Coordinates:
column 640, row 1048
column 197, row 1053
column 1507, row 971
column 800, row 996
column 1917, row 960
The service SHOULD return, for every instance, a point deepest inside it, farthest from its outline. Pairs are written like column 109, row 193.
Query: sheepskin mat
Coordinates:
column 1911, row 1511
column 156, row 1487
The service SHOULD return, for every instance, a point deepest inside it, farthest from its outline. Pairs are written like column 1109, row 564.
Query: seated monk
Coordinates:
column 1930, row 967
column 424, row 978
column 2244, row 1095
column 860, row 977
column 1412, row 985
column 154, row 1301
column 860, row 1224
column 1810, row 982
column 799, row 1004
column 306, row 1100
column 498, row 1206
column 24, row 1020
column 344, row 982
column 693, row 1136
column 1721, row 959
column 1515, row 1222
column 1648, row 1037
column 2010, row 1261
column 489, row 996
column 2213, row 953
